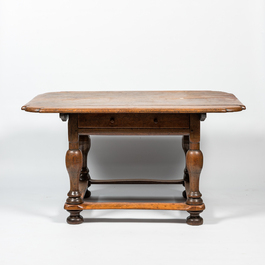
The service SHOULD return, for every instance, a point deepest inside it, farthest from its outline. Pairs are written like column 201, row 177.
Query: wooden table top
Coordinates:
column 135, row 102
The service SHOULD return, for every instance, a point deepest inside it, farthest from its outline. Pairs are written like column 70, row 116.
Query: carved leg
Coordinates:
column 194, row 160
column 74, row 166
column 185, row 147
column 84, row 146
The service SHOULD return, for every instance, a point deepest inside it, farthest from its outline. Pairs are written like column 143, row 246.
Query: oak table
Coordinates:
column 133, row 113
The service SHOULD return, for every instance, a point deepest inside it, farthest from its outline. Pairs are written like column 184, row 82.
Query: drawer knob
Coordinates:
column 155, row 120
column 112, row 120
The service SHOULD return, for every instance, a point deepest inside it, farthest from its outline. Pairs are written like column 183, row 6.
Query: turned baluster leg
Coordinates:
column 185, row 147
column 74, row 166
column 84, row 146
column 194, row 160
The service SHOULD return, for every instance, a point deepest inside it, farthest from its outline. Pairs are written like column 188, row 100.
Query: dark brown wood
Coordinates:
column 74, row 164
column 75, row 218
column 185, row 147
column 135, row 205
column 194, row 160
column 134, row 131
column 132, row 120
column 133, row 113
column 136, row 181
column 84, row 146
column 203, row 116
column 87, row 194
column 83, row 184
column 194, row 218
column 135, row 102
column 63, row 116
column 187, row 189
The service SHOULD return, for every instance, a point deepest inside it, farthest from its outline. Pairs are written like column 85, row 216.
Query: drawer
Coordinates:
column 132, row 120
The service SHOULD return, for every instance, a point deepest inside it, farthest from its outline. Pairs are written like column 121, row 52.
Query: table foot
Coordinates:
column 75, row 218
column 194, row 218
column 87, row 194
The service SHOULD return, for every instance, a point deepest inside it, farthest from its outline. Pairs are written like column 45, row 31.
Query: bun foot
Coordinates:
column 184, row 194
column 75, row 218
column 87, row 194
column 194, row 218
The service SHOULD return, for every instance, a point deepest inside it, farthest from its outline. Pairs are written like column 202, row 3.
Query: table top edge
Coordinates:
column 37, row 104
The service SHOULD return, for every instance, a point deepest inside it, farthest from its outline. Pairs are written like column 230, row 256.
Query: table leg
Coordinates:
column 194, row 159
column 185, row 146
column 74, row 166
column 84, row 146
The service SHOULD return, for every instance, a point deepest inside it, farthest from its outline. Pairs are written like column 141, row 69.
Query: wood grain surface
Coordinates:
column 135, row 205
column 133, row 120
column 135, row 102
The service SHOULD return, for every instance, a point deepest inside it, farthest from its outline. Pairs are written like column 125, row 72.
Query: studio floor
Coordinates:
column 34, row 231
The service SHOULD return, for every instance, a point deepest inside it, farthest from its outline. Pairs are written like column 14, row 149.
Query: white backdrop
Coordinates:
column 132, row 45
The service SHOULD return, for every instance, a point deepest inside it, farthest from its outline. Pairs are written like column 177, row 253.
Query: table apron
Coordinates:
column 133, row 124
column 133, row 120
column 133, row 131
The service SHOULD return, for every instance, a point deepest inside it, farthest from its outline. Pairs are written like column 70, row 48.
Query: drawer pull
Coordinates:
column 112, row 120
column 155, row 120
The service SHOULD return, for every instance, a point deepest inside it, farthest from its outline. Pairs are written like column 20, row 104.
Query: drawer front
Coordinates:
column 131, row 120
